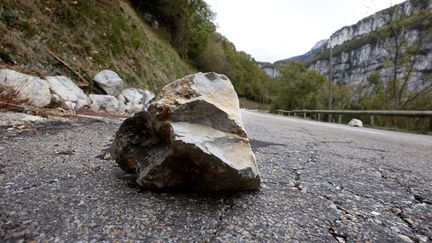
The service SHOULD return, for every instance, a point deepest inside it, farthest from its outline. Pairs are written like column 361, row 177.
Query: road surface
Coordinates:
column 321, row 183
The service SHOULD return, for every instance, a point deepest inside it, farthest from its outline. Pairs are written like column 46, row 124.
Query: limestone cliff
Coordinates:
column 367, row 47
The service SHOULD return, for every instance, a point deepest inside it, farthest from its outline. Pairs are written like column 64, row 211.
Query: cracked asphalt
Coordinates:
column 321, row 183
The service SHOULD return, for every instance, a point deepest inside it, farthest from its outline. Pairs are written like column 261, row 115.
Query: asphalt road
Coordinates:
column 321, row 183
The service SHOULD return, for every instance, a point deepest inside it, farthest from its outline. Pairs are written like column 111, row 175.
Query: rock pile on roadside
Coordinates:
column 31, row 89
column 191, row 137
column 61, row 91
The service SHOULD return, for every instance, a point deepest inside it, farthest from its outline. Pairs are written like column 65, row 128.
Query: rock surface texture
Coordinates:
column 358, row 52
column 106, row 103
column 191, row 137
column 65, row 91
column 355, row 123
column 357, row 62
column 32, row 90
column 133, row 100
column 110, row 82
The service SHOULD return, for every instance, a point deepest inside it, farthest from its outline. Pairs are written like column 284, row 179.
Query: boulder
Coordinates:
column 66, row 92
column 106, row 103
column 191, row 137
column 355, row 123
column 133, row 100
column 110, row 82
column 31, row 89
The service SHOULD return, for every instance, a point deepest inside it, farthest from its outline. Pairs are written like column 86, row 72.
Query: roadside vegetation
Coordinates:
column 190, row 29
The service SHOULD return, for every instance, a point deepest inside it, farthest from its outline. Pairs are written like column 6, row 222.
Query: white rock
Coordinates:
column 31, row 89
column 190, row 137
column 148, row 95
column 133, row 100
column 70, row 105
column 355, row 123
column 110, row 82
column 15, row 119
column 67, row 92
column 106, row 103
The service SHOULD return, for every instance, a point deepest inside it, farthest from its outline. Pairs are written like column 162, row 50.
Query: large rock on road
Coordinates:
column 191, row 137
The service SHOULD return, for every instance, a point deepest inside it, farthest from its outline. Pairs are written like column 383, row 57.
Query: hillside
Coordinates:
column 79, row 38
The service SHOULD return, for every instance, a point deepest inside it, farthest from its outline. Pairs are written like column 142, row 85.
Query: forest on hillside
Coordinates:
column 189, row 25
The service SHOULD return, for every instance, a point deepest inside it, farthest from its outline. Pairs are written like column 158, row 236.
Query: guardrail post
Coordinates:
column 430, row 123
column 340, row 119
column 330, row 118
column 295, row 114
column 304, row 115
column 319, row 116
column 372, row 121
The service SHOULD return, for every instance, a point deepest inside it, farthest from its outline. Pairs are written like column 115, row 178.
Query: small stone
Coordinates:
column 405, row 238
column 333, row 206
column 422, row 238
column 355, row 123
column 107, row 156
column 395, row 229
column 396, row 211
column 340, row 239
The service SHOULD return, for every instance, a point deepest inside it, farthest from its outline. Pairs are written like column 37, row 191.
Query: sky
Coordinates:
column 272, row 30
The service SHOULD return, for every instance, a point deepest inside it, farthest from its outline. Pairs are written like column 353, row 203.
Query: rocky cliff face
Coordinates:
column 366, row 47
column 376, row 21
column 269, row 69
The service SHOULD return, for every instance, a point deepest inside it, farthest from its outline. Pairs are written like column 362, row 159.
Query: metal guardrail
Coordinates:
column 371, row 113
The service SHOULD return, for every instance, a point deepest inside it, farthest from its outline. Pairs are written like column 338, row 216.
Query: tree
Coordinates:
column 193, row 34
column 189, row 22
column 300, row 87
column 403, row 55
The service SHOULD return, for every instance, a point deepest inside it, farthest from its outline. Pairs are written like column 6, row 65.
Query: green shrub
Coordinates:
column 8, row 17
column 28, row 29
column 5, row 55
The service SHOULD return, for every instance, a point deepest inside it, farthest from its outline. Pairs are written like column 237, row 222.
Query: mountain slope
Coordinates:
column 308, row 55
column 79, row 38
column 367, row 47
